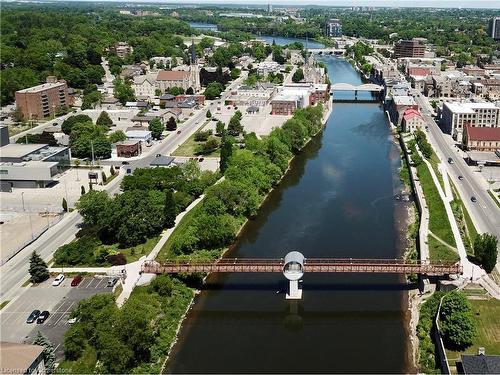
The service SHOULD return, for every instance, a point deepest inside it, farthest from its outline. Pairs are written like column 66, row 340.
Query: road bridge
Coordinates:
column 327, row 51
column 370, row 87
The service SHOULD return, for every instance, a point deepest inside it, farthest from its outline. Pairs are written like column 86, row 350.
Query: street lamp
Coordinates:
column 22, row 198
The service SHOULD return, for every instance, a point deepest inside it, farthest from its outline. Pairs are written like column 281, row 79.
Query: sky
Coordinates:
column 495, row 4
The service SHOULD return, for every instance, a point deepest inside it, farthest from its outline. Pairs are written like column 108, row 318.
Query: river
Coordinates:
column 336, row 201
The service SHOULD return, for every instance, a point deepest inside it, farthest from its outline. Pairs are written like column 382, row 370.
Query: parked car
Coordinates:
column 178, row 132
column 58, row 280
column 42, row 317
column 112, row 282
column 76, row 280
column 72, row 320
column 460, row 177
column 450, row 160
column 158, row 155
column 125, row 163
column 201, row 159
column 33, row 316
column 473, row 199
column 55, row 124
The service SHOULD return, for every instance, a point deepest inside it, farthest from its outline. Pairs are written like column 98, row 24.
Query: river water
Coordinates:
column 336, row 201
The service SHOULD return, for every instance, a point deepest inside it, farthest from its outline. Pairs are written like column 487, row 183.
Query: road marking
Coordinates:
column 72, row 303
column 99, row 283
column 88, row 285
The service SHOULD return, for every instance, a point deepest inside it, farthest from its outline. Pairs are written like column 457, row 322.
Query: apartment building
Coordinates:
column 333, row 28
column 43, row 100
column 122, row 49
column 409, row 48
column 456, row 115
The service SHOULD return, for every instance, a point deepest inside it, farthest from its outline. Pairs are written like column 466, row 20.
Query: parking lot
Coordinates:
column 59, row 301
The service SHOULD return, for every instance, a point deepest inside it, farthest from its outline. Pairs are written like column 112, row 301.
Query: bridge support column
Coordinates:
column 294, row 291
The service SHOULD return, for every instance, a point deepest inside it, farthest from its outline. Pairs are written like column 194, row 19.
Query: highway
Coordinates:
column 14, row 273
column 485, row 213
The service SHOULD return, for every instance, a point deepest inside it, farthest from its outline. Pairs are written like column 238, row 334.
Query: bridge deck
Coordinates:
column 344, row 265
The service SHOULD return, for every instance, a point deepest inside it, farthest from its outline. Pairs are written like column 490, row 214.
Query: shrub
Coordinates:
column 117, row 259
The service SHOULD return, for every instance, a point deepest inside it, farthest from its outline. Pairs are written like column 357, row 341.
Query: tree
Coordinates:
column 38, row 268
column 175, row 90
column 123, row 91
column 112, row 170
column 104, row 177
column 225, row 152
column 458, row 324
column 64, row 205
column 117, row 136
column 49, row 354
column 71, row 121
column 82, row 190
column 190, row 91
column 104, row 119
column 156, row 127
column 209, row 114
column 171, row 124
column 298, row 75
column 93, row 207
column 170, row 210
column 163, row 285
column 486, row 250
column 219, row 128
column 213, row 90
column 209, row 146
column 235, row 128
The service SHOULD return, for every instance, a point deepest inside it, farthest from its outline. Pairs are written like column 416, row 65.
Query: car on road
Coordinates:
column 178, row 132
column 55, row 124
column 125, row 163
column 473, row 199
column 33, row 316
column 112, row 282
column 201, row 159
column 460, row 177
column 158, row 155
column 42, row 317
column 450, row 160
column 76, row 280
column 58, row 280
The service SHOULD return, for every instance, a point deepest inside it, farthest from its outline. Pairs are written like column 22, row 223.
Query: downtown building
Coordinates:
column 409, row 48
column 494, row 28
column 43, row 100
column 455, row 116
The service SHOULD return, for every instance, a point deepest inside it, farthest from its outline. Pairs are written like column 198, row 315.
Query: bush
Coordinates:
column 162, row 284
column 458, row 324
column 202, row 136
column 485, row 250
column 77, row 252
column 117, row 259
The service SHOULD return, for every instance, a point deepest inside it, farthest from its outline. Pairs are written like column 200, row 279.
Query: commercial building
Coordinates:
column 141, row 134
column 494, row 29
column 333, row 28
column 266, row 67
column 398, row 105
column 409, row 48
column 456, row 115
column 43, row 100
column 258, row 96
column 296, row 96
column 479, row 364
column 31, row 165
column 21, row 359
column 127, row 149
column 481, row 139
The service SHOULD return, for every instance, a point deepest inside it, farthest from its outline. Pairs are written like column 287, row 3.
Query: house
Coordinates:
column 22, row 359
column 137, row 105
column 412, row 120
column 110, row 102
column 481, row 138
column 199, row 99
column 122, row 49
column 480, row 364
column 127, row 149
column 163, row 161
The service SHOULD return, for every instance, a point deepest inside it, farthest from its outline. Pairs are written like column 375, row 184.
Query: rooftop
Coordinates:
column 17, row 358
column 404, row 100
column 162, row 161
column 19, row 150
column 172, row 75
column 480, row 364
column 468, row 107
column 42, row 87
column 483, row 133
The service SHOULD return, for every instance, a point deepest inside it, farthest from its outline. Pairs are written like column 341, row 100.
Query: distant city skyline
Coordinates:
column 490, row 4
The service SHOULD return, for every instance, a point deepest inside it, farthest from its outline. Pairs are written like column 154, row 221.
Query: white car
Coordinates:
column 58, row 280
column 72, row 321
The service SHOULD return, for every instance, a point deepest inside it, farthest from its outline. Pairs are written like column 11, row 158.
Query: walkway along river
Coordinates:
column 336, row 201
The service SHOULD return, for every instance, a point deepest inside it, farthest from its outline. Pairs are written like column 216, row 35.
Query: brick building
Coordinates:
column 42, row 101
column 409, row 48
column 481, row 139
column 127, row 149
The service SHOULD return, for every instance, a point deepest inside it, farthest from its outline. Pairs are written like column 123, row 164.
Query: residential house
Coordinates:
column 144, row 86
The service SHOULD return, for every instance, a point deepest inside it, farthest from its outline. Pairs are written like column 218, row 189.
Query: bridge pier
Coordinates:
column 294, row 290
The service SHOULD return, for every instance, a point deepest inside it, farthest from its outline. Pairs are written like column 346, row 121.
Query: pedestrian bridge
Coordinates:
column 369, row 87
column 327, row 51
column 314, row 265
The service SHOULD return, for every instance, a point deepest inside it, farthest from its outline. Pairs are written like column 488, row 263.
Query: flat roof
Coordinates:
column 16, row 357
column 19, row 150
column 42, row 87
column 469, row 107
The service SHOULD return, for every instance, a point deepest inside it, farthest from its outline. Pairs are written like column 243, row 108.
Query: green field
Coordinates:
column 439, row 251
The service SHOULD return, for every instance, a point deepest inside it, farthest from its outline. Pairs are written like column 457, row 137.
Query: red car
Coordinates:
column 76, row 280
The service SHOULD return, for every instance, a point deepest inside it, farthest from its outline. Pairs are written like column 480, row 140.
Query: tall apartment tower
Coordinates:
column 269, row 8
column 495, row 28
column 333, row 28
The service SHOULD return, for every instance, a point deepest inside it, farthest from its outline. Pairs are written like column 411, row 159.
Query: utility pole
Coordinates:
column 22, row 198
column 92, row 147
column 66, row 191
column 31, row 224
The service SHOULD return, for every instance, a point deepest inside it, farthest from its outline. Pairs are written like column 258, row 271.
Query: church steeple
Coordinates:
column 193, row 53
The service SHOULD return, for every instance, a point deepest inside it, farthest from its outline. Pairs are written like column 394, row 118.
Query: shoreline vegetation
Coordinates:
column 251, row 174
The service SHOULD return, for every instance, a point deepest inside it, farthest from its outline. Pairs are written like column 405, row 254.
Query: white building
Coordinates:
column 145, row 86
column 142, row 135
column 266, row 67
column 455, row 115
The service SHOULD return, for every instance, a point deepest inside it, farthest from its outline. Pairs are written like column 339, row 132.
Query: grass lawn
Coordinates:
column 84, row 365
column 470, row 232
column 3, row 304
column 136, row 252
column 439, row 251
column 434, row 160
column 189, row 148
column 487, row 314
column 438, row 221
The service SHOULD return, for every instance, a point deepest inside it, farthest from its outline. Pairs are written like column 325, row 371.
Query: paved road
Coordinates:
column 485, row 213
column 15, row 272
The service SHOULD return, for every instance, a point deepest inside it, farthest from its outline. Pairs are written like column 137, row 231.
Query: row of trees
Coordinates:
column 249, row 174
